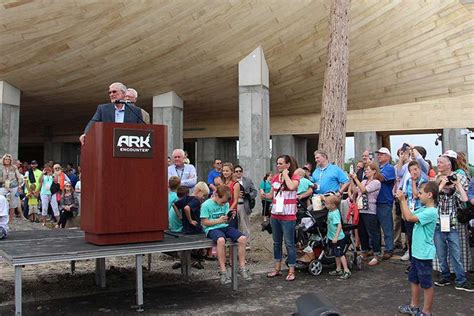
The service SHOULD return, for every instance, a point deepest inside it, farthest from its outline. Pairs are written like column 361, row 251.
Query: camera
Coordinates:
column 405, row 146
column 452, row 178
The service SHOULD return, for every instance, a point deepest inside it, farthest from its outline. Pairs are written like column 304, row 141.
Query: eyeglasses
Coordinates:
column 238, row 171
column 113, row 91
column 219, row 163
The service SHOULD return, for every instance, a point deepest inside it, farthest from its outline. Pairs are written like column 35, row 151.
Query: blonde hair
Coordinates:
column 300, row 172
column 202, row 187
column 333, row 200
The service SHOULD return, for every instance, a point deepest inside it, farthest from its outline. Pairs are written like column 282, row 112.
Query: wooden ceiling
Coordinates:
column 63, row 54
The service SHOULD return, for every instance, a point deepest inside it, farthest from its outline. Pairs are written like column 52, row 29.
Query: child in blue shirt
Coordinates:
column 422, row 247
column 336, row 237
column 175, row 223
column 214, row 220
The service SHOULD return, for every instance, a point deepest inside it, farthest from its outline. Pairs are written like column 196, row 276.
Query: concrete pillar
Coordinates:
column 53, row 151
column 366, row 141
column 254, row 115
column 209, row 149
column 454, row 139
column 168, row 110
column 9, row 119
column 290, row 145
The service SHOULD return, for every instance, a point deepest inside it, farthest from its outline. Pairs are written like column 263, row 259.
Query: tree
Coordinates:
column 332, row 133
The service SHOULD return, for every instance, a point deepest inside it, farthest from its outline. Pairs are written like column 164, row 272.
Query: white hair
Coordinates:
column 120, row 86
column 179, row 150
column 133, row 92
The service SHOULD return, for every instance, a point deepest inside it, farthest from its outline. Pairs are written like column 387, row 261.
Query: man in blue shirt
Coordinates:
column 214, row 173
column 328, row 177
column 385, row 200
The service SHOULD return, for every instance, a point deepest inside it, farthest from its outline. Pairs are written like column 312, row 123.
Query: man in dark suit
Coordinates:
column 115, row 112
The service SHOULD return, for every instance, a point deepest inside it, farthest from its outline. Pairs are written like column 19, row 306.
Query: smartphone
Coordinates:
column 371, row 156
column 351, row 169
column 230, row 215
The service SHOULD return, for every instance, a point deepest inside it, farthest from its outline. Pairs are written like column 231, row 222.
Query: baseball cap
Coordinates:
column 33, row 162
column 451, row 153
column 383, row 150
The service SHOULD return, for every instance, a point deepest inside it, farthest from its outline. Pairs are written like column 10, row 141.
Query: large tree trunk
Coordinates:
column 332, row 134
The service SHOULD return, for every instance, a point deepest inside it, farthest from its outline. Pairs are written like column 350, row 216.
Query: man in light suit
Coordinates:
column 132, row 96
column 115, row 112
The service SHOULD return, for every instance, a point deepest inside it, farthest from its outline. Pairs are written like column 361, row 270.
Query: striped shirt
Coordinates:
column 289, row 198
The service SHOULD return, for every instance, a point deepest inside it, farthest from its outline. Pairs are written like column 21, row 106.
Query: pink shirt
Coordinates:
column 290, row 201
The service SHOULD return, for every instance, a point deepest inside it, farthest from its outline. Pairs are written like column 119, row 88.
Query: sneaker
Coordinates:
column 406, row 256
column 375, row 261
column 420, row 313
column 466, row 286
column 345, row 275
column 407, row 309
column 442, row 282
column 336, row 273
column 224, row 277
column 244, row 273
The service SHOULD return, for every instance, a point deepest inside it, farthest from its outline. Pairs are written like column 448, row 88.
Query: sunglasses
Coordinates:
column 238, row 171
column 113, row 91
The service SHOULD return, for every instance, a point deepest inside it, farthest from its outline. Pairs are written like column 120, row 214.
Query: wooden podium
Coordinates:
column 124, row 180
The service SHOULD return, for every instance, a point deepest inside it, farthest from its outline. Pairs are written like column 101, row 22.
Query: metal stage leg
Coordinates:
column 149, row 262
column 235, row 266
column 186, row 263
column 100, row 272
column 139, row 268
column 73, row 266
column 18, row 298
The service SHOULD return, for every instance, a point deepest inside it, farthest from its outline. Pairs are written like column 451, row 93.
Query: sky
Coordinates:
column 425, row 140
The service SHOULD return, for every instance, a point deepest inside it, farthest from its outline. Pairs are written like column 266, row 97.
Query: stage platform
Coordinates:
column 46, row 246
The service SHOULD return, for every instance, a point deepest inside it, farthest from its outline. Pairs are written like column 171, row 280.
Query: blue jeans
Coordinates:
column 385, row 217
column 284, row 229
column 443, row 242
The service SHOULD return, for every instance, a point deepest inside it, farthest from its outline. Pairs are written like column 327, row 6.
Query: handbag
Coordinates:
column 465, row 214
column 54, row 188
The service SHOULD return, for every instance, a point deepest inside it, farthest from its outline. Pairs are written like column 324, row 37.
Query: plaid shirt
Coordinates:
column 449, row 199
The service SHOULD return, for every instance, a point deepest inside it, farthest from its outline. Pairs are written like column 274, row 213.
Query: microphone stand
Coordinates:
column 127, row 104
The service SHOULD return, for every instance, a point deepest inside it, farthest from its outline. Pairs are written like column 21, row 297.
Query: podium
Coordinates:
column 124, row 180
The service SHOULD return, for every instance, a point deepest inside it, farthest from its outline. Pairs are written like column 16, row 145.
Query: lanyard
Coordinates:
column 177, row 173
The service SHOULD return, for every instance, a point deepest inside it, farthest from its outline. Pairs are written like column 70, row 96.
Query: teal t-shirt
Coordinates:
column 304, row 185
column 46, row 185
column 175, row 224
column 422, row 245
column 212, row 210
column 334, row 219
column 266, row 187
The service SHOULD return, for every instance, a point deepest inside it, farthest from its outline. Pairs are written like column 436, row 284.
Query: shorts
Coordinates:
column 338, row 248
column 32, row 209
column 420, row 273
column 226, row 232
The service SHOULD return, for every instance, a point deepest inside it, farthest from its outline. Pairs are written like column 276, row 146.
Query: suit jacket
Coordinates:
column 106, row 113
column 249, row 193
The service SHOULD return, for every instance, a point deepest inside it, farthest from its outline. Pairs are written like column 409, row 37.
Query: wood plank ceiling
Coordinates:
column 63, row 54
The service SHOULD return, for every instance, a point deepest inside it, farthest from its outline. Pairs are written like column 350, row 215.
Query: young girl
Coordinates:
column 32, row 197
column 46, row 181
column 228, row 179
column 67, row 206
column 336, row 237
column 264, row 188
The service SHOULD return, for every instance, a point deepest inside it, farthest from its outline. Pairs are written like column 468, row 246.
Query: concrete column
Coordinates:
column 454, row 139
column 209, row 149
column 53, row 151
column 254, row 115
column 9, row 119
column 366, row 141
column 168, row 110
column 290, row 145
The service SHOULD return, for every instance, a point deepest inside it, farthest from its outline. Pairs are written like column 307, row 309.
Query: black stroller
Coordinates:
column 311, row 240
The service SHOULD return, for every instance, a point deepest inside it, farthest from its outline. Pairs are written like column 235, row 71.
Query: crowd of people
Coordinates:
column 393, row 199
column 50, row 195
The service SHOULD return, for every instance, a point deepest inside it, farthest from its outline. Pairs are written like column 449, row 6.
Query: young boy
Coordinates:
column 4, row 217
column 305, row 187
column 411, row 188
column 174, row 219
column 32, row 197
column 214, row 220
column 336, row 237
column 422, row 248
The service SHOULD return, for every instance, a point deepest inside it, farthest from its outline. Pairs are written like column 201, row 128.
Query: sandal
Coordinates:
column 274, row 273
column 291, row 276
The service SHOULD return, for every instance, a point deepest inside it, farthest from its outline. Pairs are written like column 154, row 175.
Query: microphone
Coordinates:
column 128, row 104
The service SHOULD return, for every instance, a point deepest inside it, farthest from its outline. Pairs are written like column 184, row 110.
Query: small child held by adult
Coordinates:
column 422, row 248
column 336, row 237
column 32, row 197
column 215, row 222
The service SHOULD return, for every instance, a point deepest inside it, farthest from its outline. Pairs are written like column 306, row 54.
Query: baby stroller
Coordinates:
column 313, row 245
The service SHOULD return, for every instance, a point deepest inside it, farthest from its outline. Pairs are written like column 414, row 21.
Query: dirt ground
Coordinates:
column 51, row 289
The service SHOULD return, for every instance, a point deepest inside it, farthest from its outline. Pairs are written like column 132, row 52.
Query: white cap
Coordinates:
column 383, row 150
column 451, row 153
